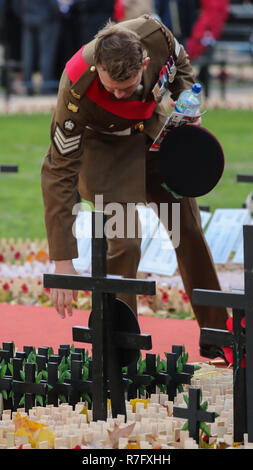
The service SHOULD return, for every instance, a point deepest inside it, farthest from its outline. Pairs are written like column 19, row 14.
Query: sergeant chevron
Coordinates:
column 64, row 144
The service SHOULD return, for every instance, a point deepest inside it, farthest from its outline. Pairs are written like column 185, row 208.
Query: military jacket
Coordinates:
column 92, row 150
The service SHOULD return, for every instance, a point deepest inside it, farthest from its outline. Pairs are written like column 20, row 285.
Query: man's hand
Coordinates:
column 198, row 120
column 63, row 298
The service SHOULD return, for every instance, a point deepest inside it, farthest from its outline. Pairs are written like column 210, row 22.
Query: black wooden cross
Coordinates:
column 113, row 328
column 178, row 350
column 244, row 178
column 29, row 387
column 55, row 388
column 175, row 377
column 159, row 378
column 78, row 386
column 194, row 413
column 8, row 168
column 236, row 341
column 241, row 300
column 138, row 380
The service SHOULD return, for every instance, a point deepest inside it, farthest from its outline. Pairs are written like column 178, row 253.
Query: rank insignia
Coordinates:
column 72, row 107
column 66, row 145
column 69, row 125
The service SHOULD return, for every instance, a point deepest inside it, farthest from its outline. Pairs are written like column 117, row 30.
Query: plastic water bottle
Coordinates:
column 189, row 101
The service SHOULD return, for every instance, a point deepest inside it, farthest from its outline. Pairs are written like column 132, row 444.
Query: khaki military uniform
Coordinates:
column 98, row 146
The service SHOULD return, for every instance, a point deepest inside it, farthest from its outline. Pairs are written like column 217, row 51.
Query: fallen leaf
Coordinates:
column 44, row 435
column 169, row 413
column 237, row 444
column 118, row 432
column 156, row 444
column 25, row 427
column 222, row 445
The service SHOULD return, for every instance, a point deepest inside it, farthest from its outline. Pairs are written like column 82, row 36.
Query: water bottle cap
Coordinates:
column 196, row 88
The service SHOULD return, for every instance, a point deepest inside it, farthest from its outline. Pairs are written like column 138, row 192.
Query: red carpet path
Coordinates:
column 42, row 326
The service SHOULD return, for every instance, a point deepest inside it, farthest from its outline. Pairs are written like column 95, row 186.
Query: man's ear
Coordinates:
column 145, row 63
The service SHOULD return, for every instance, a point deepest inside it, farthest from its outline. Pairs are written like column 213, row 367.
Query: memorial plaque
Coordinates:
column 225, row 231
column 160, row 256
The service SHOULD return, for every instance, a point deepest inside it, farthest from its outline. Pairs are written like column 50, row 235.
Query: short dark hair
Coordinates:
column 118, row 51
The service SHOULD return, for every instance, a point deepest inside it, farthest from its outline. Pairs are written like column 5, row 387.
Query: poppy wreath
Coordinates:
column 208, row 27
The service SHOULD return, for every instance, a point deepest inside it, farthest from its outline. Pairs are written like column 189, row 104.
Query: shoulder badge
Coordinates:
column 69, row 125
column 72, row 107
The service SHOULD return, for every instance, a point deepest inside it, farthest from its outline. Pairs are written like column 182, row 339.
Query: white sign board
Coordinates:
column 83, row 235
column 205, row 217
column 160, row 257
column 239, row 254
column 225, row 231
column 149, row 223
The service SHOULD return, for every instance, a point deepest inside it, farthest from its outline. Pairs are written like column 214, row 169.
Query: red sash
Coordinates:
column 128, row 109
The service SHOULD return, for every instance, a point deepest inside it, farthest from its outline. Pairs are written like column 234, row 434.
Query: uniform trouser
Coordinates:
column 193, row 255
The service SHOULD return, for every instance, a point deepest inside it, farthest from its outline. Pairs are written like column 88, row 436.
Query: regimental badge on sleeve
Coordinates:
column 69, row 125
column 65, row 144
column 166, row 75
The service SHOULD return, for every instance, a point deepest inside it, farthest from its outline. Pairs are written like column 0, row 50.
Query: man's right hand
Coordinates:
column 61, row 298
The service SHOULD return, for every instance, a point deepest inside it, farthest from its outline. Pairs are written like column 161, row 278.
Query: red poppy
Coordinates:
column 24, row 288
column 47, row 290
column 229, row 323
column 165, row 297
column 17, row 255
column 229, row 351
column 6, row 286
column 39, row 283
column 185, row 297
column 1, row 258
column 228, row 354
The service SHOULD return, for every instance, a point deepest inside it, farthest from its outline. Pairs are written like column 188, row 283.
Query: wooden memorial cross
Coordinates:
column 241, row 301
column 175, row 377
column 194, row 413
column 29, row 388
column 8, row 168
column 236, row 341
column 113, row 327
column 244, row 178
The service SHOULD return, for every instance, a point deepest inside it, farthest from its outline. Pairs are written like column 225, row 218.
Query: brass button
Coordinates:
column 139, row 126
column 93, row 68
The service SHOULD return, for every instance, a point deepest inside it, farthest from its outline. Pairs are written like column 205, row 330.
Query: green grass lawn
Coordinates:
column 25, row 140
